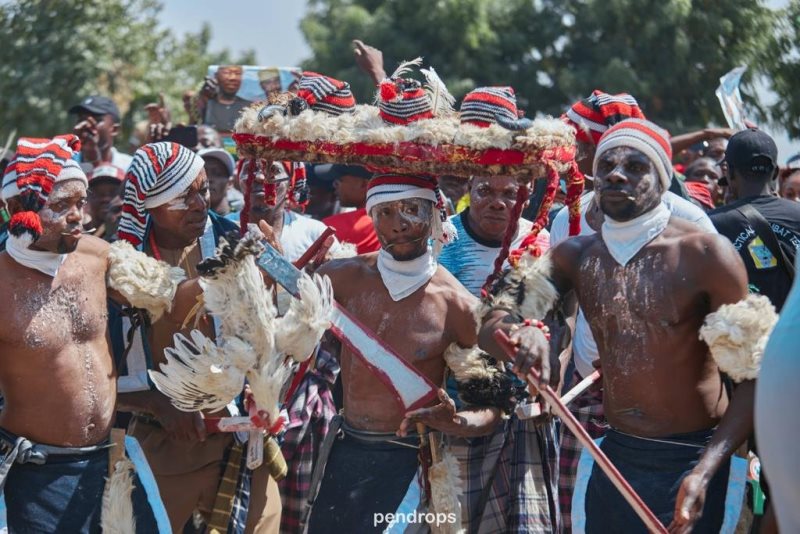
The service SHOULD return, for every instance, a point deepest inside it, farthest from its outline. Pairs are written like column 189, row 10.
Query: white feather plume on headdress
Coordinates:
column 442, row 102
column 405, row 67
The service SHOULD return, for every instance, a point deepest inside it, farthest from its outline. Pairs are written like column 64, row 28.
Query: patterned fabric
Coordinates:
column 588, row 410
column 518, row 464
column 230, row 506
column 470, row 259
column 483, row 105
column 310, row 411
column 592, row 116
column 403, row 101
column 644, row 136
column 160, row 172
column 326, row 94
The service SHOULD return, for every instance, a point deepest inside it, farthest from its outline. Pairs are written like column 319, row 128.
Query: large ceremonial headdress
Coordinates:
column 413, row 130
column 38, row 165
column 159, row 173
column 326, row 94
column 393, row 187
column 646, row 137
column 592, row 116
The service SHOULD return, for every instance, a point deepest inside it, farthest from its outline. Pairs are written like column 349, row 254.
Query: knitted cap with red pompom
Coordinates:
column 37, row 165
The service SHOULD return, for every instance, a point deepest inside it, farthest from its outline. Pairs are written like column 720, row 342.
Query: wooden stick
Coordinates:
column 645, row 514
column 580, row 387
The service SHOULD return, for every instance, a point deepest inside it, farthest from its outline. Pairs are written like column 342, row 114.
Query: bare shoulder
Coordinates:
column 94, row 247
column 568, row 256
column 698, row 243
column 458, row 297
column 347, row 268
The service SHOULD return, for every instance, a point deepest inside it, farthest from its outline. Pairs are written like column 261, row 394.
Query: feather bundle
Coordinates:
column 299, row 331
column 117, row 515
column 525, row 289
column 200, row 374
column 446, row 489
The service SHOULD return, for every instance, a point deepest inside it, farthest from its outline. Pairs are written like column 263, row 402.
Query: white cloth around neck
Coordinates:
column 402, row 278
column 625, row 239
column 43, row 261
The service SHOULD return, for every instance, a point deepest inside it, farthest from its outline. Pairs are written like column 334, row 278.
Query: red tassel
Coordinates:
column 388, row 91
column 25, row 221
column 573, row 201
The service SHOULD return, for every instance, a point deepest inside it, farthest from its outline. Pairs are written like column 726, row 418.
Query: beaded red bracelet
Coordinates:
column 536, row 324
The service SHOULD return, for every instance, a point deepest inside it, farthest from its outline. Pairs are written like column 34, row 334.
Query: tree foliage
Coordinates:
column 670, row 54
column 56, row 52
column 782, row 66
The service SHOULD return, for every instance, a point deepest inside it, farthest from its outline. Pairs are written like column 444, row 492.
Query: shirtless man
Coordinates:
column 419, row 309
column 645, row 283
column 56, row 370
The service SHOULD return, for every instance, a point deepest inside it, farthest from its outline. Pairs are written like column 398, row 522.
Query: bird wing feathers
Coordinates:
column 300, row 330
column 201, row 375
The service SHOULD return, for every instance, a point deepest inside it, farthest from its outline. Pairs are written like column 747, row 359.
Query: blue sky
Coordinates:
column 272, row 29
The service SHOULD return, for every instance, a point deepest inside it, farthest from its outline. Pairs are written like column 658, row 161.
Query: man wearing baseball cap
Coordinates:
column 763, row 228
column 219, row 167
column 104, row 189
column 97, row 125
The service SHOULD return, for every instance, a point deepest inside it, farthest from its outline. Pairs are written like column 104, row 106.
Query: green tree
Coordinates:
column 670, row 54
column 56, row 52
column 782, row 67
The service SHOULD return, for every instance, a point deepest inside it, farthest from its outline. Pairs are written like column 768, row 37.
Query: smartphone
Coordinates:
column 183, row 135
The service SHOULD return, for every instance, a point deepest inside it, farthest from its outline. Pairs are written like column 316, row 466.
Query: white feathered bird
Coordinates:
column 253, row 342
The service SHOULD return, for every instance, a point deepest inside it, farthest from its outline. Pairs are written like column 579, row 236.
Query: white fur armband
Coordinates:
column 525, row 289
column 468, row 363
column 737, row 333
column 145, row 282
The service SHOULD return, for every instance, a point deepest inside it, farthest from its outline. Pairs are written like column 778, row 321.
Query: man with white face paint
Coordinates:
column 646, row 282
column 419, row 309
column 56, row 370
column 166, row 215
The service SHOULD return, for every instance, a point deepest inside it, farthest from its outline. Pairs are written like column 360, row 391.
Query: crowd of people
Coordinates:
column 100, row 268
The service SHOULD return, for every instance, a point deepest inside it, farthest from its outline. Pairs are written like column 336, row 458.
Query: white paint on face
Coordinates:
column 177, row 204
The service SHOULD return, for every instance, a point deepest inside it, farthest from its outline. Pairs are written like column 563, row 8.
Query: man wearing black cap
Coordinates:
column 764, row 229
column 353, row 226
column 321, row 192
column 97, row 126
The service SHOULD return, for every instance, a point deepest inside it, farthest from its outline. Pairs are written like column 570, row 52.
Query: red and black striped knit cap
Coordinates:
column 592, row 116
column 485, row 105
column 37, row 165
column 403, row 101
column 326, row 94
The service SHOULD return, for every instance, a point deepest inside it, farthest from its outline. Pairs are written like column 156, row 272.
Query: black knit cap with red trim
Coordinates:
column 592, row 116
column 484, row 105
column 326, row 94
column 403, row 101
